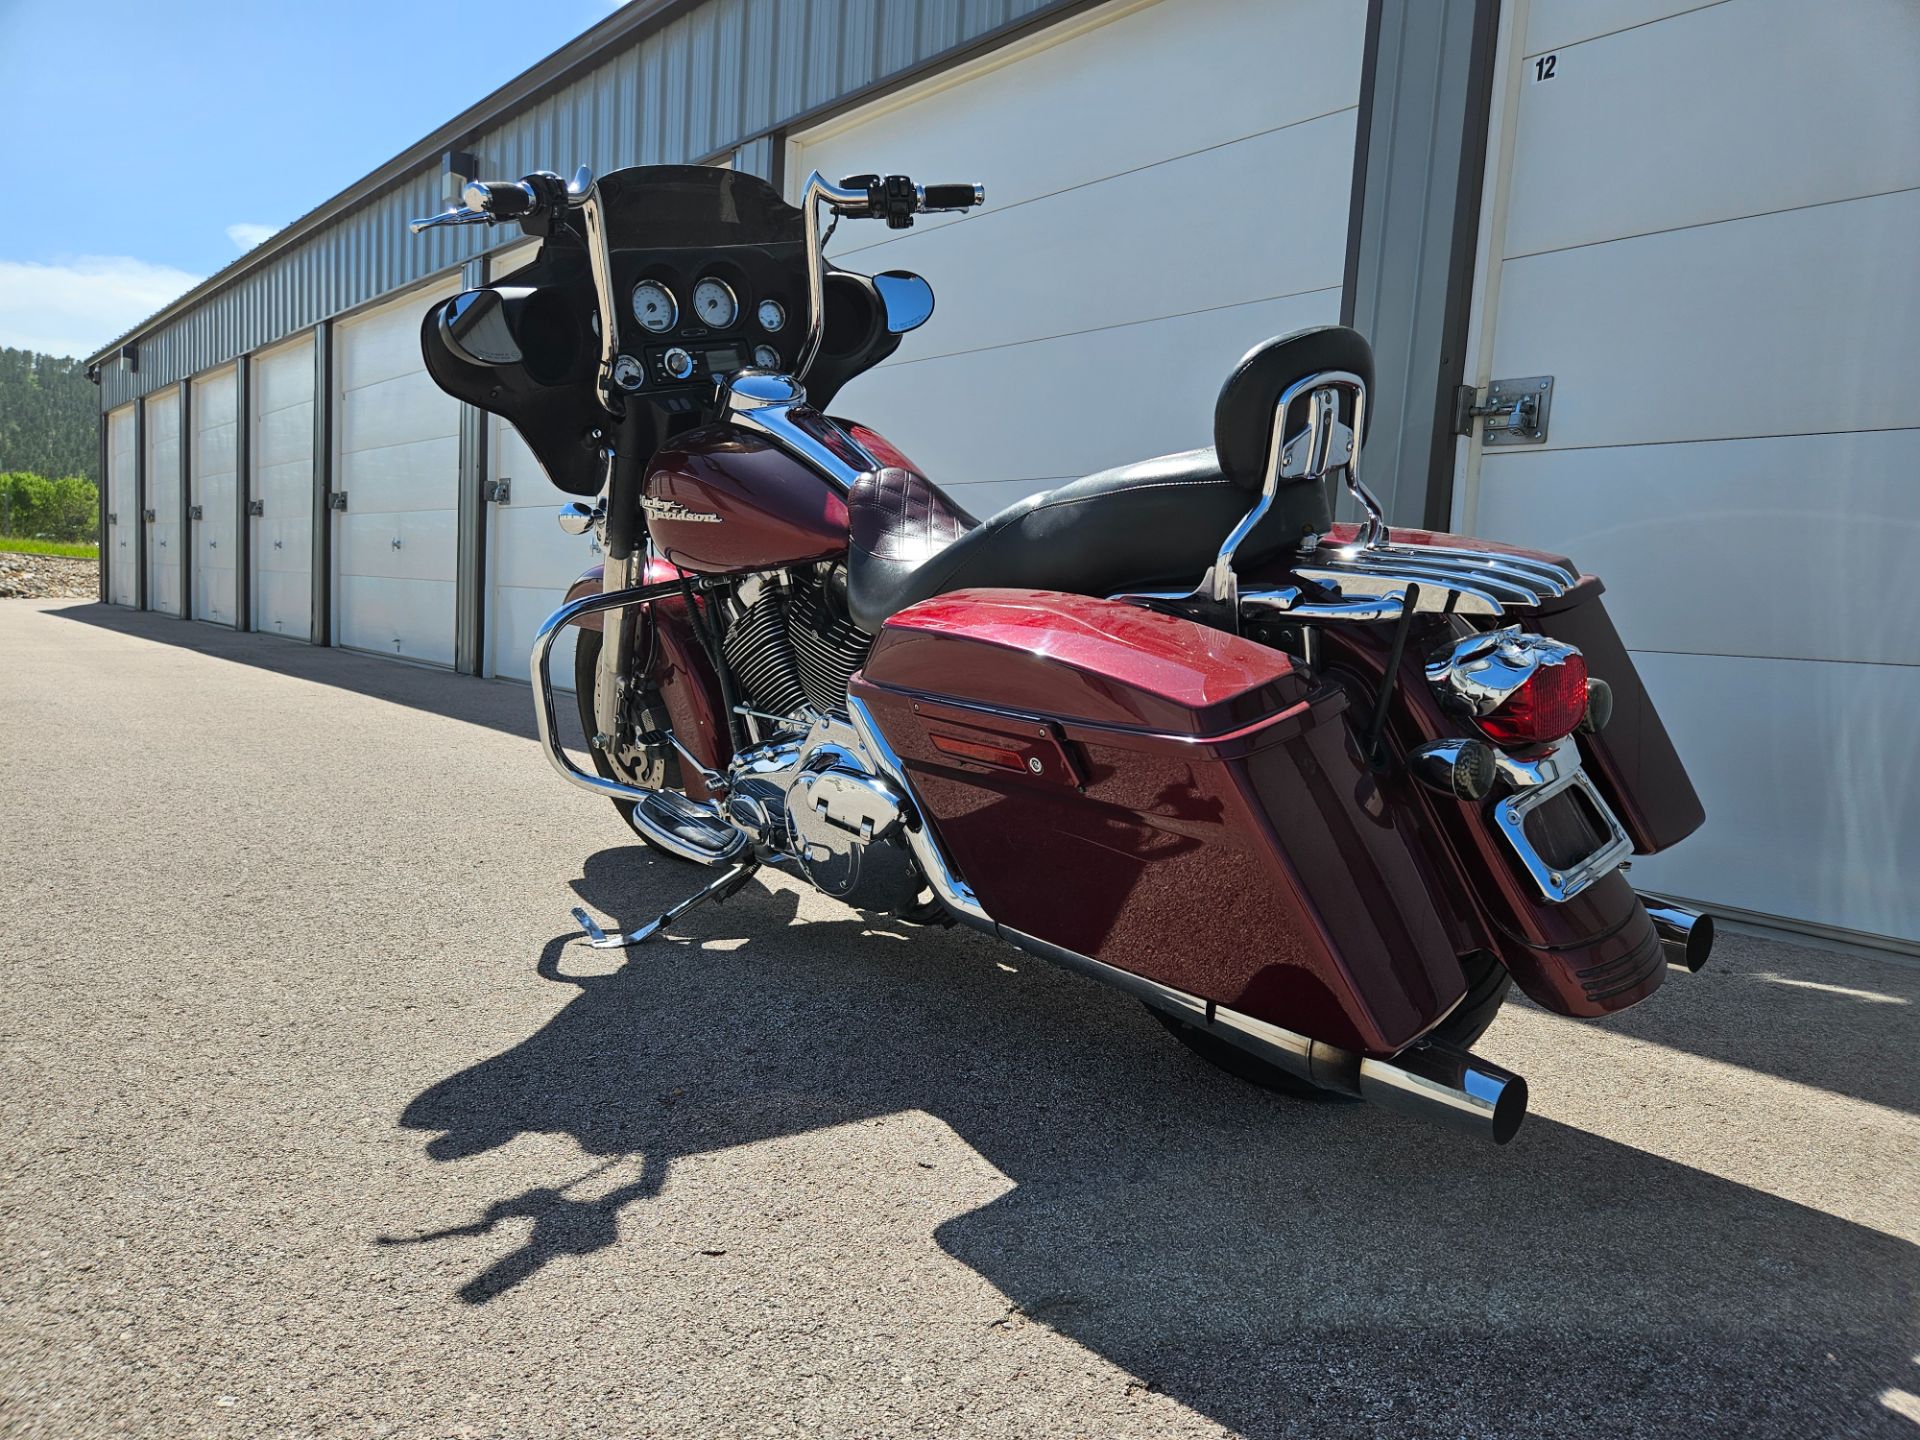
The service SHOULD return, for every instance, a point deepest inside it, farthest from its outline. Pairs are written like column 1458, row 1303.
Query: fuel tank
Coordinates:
column 725, row 501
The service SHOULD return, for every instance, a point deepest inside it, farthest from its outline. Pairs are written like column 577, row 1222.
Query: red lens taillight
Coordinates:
column 1549, row 704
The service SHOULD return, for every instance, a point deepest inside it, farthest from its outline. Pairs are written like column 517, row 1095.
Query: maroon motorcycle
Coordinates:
column 1317, row 794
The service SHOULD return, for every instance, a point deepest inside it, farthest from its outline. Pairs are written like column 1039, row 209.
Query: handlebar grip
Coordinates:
column 500, row 199
column 954, row 197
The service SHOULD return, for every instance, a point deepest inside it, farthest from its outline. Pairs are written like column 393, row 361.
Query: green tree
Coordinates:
column 49, row 415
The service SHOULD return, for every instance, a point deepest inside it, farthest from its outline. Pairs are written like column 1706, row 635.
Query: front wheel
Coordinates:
column 646, row 766
column 1487, row 986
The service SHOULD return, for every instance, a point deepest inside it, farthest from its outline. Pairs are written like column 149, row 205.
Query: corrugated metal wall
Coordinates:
column 722, row 76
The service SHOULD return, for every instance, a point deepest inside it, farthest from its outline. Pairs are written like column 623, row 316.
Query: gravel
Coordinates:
column 317, row 1126
column 47, row 577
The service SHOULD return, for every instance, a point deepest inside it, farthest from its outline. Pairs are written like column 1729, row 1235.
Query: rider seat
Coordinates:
column 1160, row 520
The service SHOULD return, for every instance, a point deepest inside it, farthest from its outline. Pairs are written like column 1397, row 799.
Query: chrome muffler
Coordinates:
column 1428, row 1081
column 1685, row 935
column 1434, row 1081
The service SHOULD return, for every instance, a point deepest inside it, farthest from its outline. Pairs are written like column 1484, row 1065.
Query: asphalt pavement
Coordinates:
column 316, row 1125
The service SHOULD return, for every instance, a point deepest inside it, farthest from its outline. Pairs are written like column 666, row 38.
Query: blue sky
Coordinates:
column 145, row 146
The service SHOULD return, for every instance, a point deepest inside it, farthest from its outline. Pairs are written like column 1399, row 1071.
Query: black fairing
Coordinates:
column 525, row 347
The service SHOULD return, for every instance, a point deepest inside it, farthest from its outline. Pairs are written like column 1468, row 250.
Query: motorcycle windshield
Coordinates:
column 695, row 207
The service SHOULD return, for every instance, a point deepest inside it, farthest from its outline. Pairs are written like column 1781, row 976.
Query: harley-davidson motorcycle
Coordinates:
column 1317, row 793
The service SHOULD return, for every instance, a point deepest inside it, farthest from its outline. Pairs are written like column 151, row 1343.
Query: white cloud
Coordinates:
column 245, row 236
column 75, row 307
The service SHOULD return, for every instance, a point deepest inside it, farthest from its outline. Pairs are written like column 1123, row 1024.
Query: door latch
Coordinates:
column 499, row 492
column 1515, row 411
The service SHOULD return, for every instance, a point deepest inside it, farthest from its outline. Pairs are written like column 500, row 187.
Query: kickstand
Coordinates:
column 721, row 889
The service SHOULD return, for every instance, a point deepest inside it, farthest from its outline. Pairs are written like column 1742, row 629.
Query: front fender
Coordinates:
column 677, row 664
column 591, row 582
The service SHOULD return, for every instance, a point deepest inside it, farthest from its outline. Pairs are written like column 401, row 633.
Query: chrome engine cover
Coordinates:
column 820, row 801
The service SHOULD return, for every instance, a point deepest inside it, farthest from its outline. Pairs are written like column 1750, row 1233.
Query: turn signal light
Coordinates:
column 1548, row 704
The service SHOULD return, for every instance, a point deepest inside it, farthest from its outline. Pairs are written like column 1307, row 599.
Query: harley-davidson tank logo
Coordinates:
column 674, row 510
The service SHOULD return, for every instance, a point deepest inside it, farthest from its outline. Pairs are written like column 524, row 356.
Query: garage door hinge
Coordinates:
column 336, row 500
column 151, row 516
column 256, row 507
column 499, row 492
column 1515, row 410
column 194, row 513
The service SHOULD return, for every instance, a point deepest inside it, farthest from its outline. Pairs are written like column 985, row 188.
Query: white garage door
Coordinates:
column 123, row 518
column 395, row 549
column 281, row 382
column 215, row 431
column 530, row 560
column 164, row 540
column 1711, row 220
column 1167, row 185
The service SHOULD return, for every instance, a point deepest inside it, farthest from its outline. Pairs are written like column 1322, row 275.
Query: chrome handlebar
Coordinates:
column 893, row 198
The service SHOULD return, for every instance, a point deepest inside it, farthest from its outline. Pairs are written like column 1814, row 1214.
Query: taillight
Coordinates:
column 1519, row 689
column 1549, row 704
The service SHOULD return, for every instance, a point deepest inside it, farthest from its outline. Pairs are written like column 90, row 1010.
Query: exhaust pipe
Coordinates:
column 1435, row 1081
column 1686, row 935
column 1428, row 1081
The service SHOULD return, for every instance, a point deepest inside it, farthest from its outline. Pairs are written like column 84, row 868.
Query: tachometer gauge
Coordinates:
column 654, row 306
column 714, row 303
column 766, row 357
column 772, row 315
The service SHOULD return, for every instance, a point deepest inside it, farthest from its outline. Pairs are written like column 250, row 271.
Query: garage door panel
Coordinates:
column 391, row 615
column 281, row 601
column 409, row 544
column 281, row 390
column 123, row 532
column 1708, row 333
column 399, row 411
column 1122, row 90
column 1046, row 269
column 1829, row 515
column 215, row 437
column 283, row 377
column 423, row 475
column 1155, row 392
column 518, row 613
column 283, row 545
column 1555, row 23
column 535, row 551
column 1811, row 782
column 164, row 541
column 1788, row 118
column 285, row 435
column 384, row 345
column 397, row 456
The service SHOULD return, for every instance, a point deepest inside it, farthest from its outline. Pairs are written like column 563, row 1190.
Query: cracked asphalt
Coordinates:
column 316, row 1126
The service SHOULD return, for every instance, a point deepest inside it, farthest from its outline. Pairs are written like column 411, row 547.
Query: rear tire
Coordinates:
column 661, row 772
column 1487, row 986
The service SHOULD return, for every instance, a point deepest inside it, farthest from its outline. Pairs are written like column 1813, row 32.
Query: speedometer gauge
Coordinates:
column 654, row 307
column 714, row 303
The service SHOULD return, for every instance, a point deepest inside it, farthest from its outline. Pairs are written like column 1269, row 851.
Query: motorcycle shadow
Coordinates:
column 1280, row 1267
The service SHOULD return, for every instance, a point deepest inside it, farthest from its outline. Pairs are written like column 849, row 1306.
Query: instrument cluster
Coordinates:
column 685, row 323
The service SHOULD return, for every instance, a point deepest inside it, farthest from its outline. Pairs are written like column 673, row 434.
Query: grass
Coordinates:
column 71, row 549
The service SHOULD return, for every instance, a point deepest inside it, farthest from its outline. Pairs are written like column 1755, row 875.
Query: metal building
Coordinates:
column 1687, row 225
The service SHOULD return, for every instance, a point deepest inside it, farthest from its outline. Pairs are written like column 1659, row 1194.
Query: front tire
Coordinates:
column 1487, row 985
column 644, row 768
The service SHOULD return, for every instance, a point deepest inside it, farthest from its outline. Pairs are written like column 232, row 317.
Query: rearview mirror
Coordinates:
column 474, row 326
column 907, row 297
